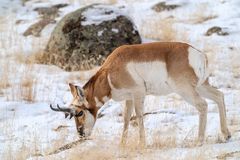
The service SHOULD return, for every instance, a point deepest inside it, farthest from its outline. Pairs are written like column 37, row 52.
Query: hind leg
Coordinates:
column 189, row 93
column 212, row 93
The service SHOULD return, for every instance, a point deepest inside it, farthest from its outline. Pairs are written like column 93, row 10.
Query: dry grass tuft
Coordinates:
column 234, row 120
column 199, row 16
column 18, row 81
column 197, row 155
column 88, row 2
column 163, row 30
column 235, row 63
column 27, row 86
column 4, row 78
column 168, row 141
column 94, row 152
column 159, row 29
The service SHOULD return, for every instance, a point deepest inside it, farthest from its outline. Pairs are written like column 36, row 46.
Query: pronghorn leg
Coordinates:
column 127, row 115
column 189, row 94
column 210, row 92
column 139, row 104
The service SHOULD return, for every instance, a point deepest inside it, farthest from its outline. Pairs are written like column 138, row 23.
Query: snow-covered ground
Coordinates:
column 30, row 130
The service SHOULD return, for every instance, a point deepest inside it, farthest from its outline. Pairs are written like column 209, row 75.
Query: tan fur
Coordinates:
column 175, row 72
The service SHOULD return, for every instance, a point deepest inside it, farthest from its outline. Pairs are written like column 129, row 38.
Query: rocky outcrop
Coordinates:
column 218, row 30
column 85, row 37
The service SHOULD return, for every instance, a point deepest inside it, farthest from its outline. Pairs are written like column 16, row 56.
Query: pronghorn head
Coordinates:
column 79, row 109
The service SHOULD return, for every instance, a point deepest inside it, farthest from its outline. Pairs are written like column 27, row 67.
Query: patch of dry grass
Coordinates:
column 163, row 142
column 19, row 82
column 160, row 29
column 4, row 78
column 199, row 16
column 235, row 58
column 89, row 2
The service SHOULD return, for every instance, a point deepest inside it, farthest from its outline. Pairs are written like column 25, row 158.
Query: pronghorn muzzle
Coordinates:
column 68, row 111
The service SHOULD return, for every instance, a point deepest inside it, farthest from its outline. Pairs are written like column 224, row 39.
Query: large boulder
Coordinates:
column 85, row 37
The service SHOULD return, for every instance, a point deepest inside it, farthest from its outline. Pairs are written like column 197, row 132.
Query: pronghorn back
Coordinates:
column 155, row 64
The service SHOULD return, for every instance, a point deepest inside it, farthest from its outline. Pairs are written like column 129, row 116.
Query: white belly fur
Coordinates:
column 150, row 78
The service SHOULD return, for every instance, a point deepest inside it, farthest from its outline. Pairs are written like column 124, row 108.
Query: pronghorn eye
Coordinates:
column 79, row 114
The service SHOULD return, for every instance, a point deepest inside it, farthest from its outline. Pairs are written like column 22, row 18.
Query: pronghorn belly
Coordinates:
column 152, row 76
column 121, row 94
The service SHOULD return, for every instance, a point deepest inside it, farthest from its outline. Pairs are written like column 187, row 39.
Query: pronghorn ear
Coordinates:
column 76, row 90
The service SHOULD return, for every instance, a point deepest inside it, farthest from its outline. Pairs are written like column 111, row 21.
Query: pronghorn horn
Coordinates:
column 64, row 109
column 54, row 109
column 66, row 115
column 67, row 111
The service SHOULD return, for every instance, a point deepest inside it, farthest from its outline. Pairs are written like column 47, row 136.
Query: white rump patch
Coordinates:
column 198, row 61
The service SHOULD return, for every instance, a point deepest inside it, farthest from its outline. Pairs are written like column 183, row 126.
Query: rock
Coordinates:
column 162, row 6
column 47, row 15
column 85, row 37
column 218, row 30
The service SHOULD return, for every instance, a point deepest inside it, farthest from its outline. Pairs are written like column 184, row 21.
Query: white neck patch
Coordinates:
column 98, row 103
column 89, row 123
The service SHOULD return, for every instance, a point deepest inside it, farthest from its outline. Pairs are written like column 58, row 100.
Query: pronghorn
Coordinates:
column 133, row 71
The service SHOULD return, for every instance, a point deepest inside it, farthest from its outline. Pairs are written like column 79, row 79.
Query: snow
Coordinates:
column 98, row 14
column 33, row 128
column 115, row 30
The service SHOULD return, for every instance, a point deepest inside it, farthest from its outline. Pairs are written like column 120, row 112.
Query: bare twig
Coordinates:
column 154, row 112
column 229, row 154
column 67, row 146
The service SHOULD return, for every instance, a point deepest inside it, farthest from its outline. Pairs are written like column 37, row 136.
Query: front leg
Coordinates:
column 139, row 104
column 126, row 116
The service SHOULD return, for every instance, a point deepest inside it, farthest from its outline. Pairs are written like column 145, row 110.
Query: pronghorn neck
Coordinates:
column 97, row 90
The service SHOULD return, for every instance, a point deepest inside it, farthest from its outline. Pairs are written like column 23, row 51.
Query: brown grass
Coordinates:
column 88, row 2
column 28, row 86
column 235, row 58
column 4, row 78
column 18, row 81
column 164, row 139
column 202, row 14
column 158, row 29
column 23, row 82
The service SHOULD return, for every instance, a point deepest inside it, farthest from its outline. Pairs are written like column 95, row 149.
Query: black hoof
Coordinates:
column 228, row 137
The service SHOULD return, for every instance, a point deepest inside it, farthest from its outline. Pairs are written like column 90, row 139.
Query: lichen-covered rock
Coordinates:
column 85, row 37
column 162, row 6
column 218, row 30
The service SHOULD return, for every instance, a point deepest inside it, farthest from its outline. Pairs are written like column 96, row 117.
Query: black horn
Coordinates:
column 67, row 111
column 64, row 109
column 54, row 109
